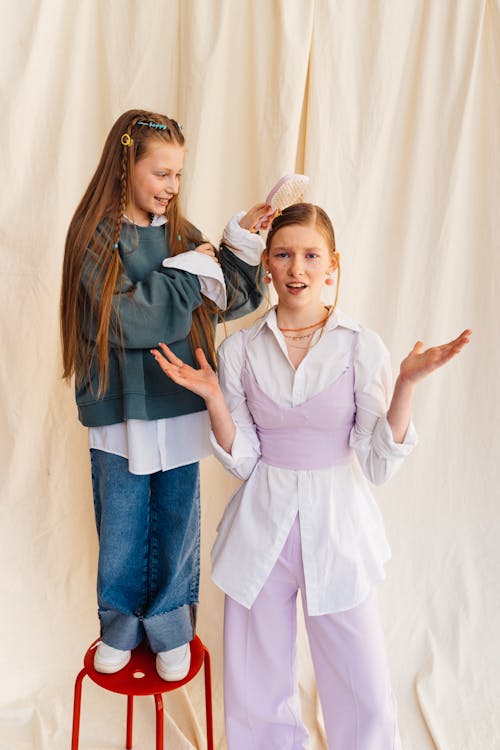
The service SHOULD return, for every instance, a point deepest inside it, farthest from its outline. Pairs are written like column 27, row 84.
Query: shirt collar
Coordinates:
column 157, row 220
column 338, row 319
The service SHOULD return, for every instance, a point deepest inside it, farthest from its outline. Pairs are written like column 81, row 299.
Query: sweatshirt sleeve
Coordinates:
column 243, row 284
column 239, row 257
column 209, row 274
column 158, row 308
column 371, row 436
column 248, row 246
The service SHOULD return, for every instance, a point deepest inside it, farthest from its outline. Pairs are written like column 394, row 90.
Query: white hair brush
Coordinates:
column 288, row 190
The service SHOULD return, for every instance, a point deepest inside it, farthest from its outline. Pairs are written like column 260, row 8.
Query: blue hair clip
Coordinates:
column 151, row 124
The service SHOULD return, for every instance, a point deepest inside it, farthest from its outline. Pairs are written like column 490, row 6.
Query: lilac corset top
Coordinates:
column 312, row 435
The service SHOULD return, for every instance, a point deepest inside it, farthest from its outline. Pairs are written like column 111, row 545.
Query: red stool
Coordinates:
column 140, row 677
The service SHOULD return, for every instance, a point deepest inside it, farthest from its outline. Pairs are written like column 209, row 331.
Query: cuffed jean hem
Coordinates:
column 163, row 631
column 120, row 630
column 171, row 629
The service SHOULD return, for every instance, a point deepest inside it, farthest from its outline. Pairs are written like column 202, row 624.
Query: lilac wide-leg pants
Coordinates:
column 262, row 706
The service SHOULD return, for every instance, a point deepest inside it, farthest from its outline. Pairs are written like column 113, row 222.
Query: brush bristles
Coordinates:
column 292, row 190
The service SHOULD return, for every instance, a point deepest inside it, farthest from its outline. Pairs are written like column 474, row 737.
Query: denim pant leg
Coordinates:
column 149, row 546
column 174, row 560
column 122, row 511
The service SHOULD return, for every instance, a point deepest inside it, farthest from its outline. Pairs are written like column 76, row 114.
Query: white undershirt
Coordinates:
column 157, row 444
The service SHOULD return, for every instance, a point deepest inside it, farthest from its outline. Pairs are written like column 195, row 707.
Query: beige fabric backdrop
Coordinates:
column 392, row 108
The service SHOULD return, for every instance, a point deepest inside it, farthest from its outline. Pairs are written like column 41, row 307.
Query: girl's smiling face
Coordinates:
column 299, row 260
column 156, row 180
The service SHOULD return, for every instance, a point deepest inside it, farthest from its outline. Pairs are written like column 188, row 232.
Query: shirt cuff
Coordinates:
column 209, row 273
column 246, row 245
column 239, row 453
column 383, row 441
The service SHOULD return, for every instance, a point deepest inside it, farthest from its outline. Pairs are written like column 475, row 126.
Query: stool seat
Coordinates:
column 139, row 677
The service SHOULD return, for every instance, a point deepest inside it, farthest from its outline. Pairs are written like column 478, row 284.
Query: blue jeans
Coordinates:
column 149, row 552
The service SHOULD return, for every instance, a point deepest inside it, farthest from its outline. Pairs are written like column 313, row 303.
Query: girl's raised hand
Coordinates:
column 420, row 362
column 258, row 217
column 203, row 382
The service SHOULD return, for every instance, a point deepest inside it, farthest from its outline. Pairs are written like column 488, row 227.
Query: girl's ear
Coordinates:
column 334, row 263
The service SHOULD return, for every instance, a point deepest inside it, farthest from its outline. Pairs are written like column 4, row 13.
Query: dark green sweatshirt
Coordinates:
column 156, row 304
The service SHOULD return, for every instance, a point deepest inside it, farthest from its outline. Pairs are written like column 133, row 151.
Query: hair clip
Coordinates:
column 276, row 215
column 151, row 124
column 126, row 140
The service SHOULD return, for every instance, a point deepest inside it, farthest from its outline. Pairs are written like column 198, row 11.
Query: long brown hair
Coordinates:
column 307, row 214
column 92, row 254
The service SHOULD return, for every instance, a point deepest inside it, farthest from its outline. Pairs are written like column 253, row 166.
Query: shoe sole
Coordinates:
column 173, row 675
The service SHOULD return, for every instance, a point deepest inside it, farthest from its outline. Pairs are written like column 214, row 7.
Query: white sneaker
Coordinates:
column 109, row 660
column 174, row 665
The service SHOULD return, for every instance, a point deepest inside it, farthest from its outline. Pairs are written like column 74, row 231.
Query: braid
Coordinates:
column 123, row 195
column 126, row 166
column 108, row 320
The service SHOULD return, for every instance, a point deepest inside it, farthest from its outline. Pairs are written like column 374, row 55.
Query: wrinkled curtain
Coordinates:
column 392, row 109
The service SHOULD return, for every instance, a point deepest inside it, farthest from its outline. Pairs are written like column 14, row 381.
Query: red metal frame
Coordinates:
column 139, row 677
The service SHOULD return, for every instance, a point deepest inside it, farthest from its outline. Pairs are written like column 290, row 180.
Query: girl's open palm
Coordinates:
column 420, row 362
column 203, row 382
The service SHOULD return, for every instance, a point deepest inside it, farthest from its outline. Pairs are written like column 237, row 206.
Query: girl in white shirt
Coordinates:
column 301, row 411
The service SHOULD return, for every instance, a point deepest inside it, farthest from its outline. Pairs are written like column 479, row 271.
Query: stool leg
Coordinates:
column 77, row 703
column 130, row 719
column 208, row 701
column 159, row 721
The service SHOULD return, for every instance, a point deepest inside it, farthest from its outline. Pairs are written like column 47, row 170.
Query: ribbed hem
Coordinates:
column 117, row 409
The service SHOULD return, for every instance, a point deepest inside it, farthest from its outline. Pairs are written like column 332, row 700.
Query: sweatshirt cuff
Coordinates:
column 383, row 441
column 209, row 273
column 246, row 245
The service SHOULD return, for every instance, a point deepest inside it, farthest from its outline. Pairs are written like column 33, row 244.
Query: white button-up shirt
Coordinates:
column 344, row 546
